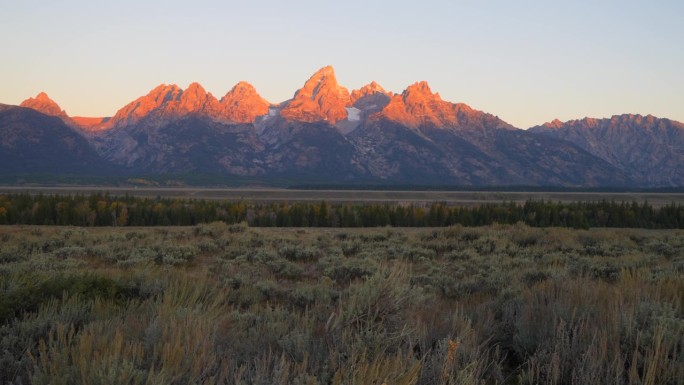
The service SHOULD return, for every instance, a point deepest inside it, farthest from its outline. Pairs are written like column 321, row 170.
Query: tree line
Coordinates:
column 107, row 210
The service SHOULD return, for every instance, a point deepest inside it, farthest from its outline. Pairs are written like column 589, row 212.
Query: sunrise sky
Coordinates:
column 526, row 61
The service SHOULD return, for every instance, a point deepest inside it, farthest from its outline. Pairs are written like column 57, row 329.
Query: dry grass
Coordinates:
column 218, row 304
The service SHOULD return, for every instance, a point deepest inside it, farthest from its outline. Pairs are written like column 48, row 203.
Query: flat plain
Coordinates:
column 268, row 195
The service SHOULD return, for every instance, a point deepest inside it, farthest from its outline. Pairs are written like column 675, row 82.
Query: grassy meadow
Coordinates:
column 229, row 304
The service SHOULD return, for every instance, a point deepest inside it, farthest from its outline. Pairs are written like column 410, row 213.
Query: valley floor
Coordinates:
column 218, row 303
column 267, row 195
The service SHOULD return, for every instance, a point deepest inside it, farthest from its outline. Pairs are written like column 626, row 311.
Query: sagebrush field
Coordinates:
column 218, row 303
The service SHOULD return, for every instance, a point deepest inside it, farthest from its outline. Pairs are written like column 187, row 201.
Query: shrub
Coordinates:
column 485, row 246
column 11, row 256
column 345, row 270
column 299, row 254
column 415, row 254
column 534, row 277
column 238, row 228
column 25, row 293
column 175, row 255
column 607, row 272
column 351, row 248
column 69, row 252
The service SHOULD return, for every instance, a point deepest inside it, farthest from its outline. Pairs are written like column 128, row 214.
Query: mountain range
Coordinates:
column 327, row 134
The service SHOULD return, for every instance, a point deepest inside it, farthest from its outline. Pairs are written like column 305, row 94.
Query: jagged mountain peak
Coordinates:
column 556, row 123
column 164, row 91
column 419, row 86
column 142, row 106
column 321, row 98
column 195, row 88
column 327, row 71
column 375, row 86
column 243, row 104
column 645, row 120
column 166, row 101
column 164, row 87
column 418, row 106
column 370, row 98
column 241, row 89
column 322, row 80
column 195, row 98
column 615, row 123
column 43, row 103
column 420, row 90
column 371, row 88
column 43, row 96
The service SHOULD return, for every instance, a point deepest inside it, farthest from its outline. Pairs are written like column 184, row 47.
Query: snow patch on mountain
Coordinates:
column 353, row 114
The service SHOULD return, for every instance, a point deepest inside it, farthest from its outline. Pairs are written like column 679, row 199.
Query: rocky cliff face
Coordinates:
column 650, row 150
column 166, row 103
column 190, row 144
column 242, row 104
column 133, row 112
column 419, row 107
column 392, row 151
column 320, row 99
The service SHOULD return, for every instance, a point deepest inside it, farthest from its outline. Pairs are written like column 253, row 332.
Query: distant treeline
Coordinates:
column 462, row 188
column 107, row 210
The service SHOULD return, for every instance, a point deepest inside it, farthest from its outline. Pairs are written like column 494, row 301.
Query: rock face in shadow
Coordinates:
column 34, row 143
column 648, row 149
column 494, row 156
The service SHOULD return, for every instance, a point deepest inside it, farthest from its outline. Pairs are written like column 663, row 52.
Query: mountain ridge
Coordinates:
column 321, row 98
column 651, row 148
column 415, row 105
column 326, row 132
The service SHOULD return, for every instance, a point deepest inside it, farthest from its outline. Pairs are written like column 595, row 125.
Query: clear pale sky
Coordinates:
column 526, row 61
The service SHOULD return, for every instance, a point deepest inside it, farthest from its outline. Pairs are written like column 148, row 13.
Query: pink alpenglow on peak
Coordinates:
column 320, row 99
column 368, row 90
column 168, row 102
column 196, row 99
column 43, row 103
column 159, row 97
column 556, row 123
column 243, row 104
column 418, row 106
